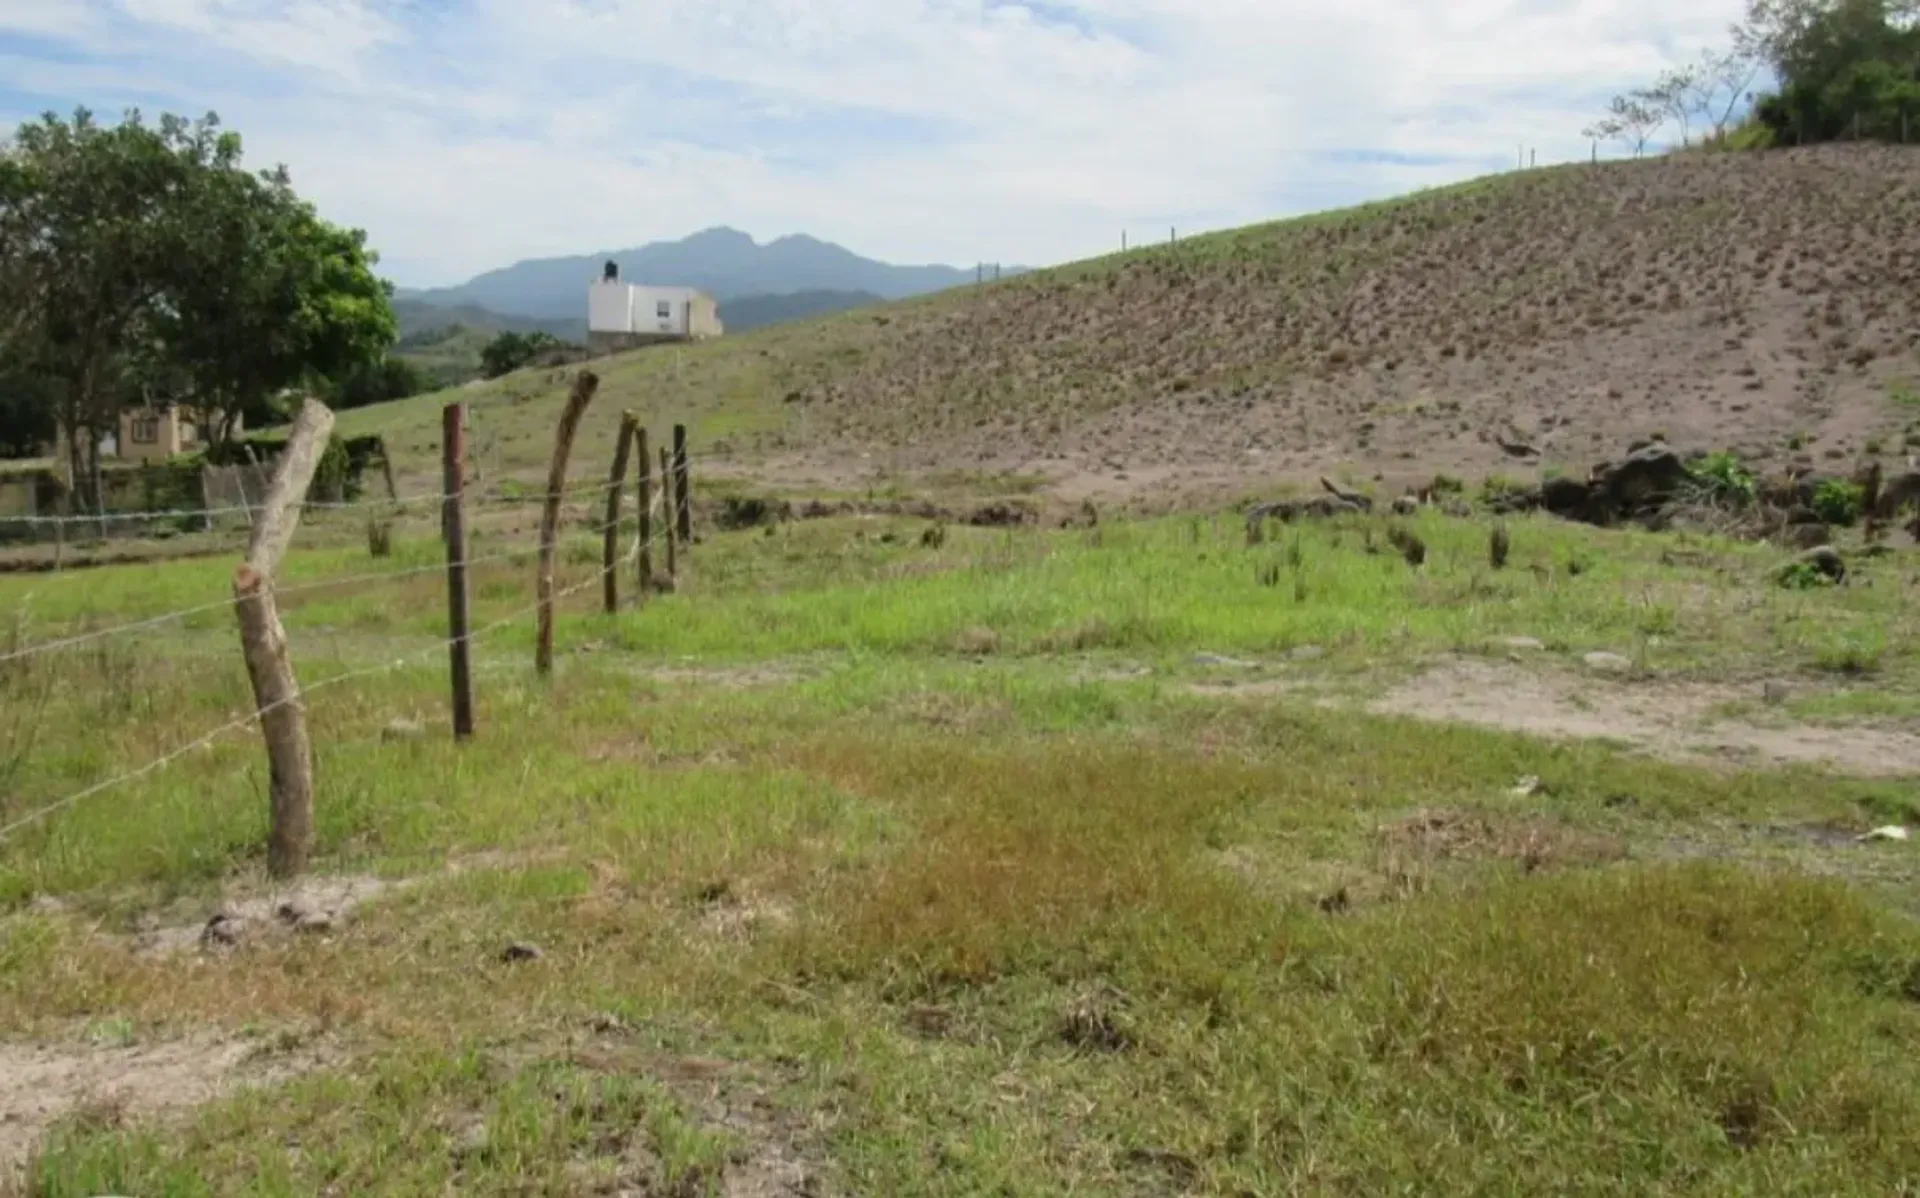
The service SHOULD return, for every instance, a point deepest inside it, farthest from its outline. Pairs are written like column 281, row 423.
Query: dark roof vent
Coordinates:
column 610, row 272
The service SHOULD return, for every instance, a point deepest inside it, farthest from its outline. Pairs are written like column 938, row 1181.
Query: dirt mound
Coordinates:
column 1760, row 302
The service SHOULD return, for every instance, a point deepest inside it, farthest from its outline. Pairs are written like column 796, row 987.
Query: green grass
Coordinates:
column 817, row 886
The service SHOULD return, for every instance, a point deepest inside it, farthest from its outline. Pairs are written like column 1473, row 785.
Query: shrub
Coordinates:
column 1837, row 501
column 1722, row 477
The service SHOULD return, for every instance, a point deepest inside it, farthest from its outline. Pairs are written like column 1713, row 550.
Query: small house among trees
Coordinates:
column 155, row 433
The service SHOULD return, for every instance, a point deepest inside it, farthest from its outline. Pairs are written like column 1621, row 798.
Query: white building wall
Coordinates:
column 661, row 310
column 609, row 308
column 628, row 308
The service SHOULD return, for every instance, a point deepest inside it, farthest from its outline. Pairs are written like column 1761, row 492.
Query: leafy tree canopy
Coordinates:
column 142, row 263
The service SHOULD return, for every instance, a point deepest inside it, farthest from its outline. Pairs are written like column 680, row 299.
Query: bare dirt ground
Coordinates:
column 1675, row 720
column 41, row 1084
column 1765, row 303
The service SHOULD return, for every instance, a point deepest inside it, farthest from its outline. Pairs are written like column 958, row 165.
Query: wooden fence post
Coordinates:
column 584, row 385
column 617, row 480
column 645, row 568
column 453, row 463
column 276, row 692
column 666, row 513
column 682, row 494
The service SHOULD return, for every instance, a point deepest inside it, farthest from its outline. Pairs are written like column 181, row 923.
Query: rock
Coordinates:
column 1527, row 787
column 1526, row 643
column 1776, row 693
column 1827, row 560
column 402, row 730
column 1002, row 515
column 520, row 951
column 1289, row 510
column 1514, row 501
column 1567, row 497
column 1612, row 663
column 1643, row 481
column 224, row 930
column 1890, row 832
column 1228, row 663
column 1353, row 499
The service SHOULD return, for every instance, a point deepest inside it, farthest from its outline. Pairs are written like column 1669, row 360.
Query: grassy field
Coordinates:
column 867, row 865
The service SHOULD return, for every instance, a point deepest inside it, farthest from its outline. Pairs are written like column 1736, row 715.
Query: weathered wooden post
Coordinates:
column 644, row 570
column 453, row 461
column 276, row 692
column 666, row 514
column 617, row 480
column 584, row 385
column 682, row 493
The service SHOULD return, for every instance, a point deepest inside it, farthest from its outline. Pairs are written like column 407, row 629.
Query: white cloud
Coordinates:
column 466, row 133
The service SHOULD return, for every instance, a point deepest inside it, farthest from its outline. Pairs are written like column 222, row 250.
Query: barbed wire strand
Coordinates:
column 568, row 491
column 374, row 577
column 172, row 755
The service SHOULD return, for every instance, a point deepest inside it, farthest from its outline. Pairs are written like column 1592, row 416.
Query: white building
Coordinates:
column 624, row 315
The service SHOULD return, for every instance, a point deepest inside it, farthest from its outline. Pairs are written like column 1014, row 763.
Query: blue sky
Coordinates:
column 466, row 134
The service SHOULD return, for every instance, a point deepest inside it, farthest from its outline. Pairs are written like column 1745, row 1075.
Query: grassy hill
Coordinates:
column 1761, row 302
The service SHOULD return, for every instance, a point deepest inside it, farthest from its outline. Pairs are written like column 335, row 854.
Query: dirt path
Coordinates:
column 1672, row 720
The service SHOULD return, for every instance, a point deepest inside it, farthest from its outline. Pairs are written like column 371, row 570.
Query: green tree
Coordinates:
column 1844, row 68
column 275, row 299
column 510, row 351
column 143, row 263
column 90, row 234
column 389, row 379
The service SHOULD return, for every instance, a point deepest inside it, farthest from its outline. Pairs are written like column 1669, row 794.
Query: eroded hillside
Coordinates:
column 1763, row 302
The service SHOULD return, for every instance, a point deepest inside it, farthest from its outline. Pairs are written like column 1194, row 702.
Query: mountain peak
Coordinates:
column 718, row 236
column 722, row 261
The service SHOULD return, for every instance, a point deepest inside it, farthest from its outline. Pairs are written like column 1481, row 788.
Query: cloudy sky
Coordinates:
column 466, row 134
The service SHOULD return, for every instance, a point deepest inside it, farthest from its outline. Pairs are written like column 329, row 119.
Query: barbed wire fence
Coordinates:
column 280, row 702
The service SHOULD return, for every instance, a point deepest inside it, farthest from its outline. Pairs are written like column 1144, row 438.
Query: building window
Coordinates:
column 145, row 430
column 664, row 310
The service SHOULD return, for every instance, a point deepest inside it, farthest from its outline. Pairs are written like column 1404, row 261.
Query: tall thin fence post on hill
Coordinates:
column 584, row 385
column 616, row 483
column 666, row 514
column 453, row 462
column 682, row 492
column 276, row 692
column 643, row 566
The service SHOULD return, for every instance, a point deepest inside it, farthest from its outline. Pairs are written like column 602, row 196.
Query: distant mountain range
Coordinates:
column 423, row 324
column 725, row 263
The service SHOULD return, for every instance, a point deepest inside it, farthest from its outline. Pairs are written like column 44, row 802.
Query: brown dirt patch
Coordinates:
column 318, row 905
column 41, row 1084
column 1672, row 720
